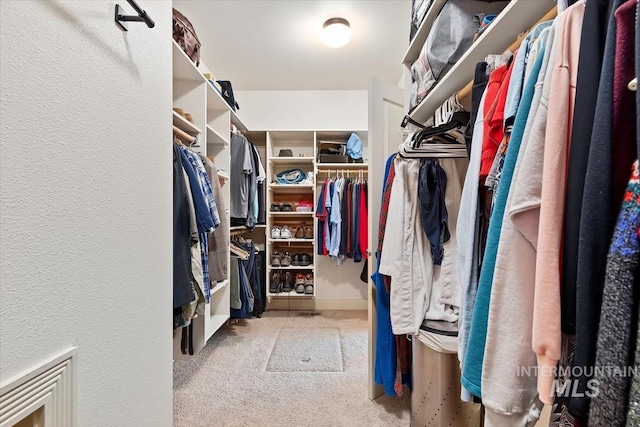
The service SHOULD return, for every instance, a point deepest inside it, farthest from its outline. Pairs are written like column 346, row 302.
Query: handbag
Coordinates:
column 227, row 94
column 185, row 35
column 290, row 176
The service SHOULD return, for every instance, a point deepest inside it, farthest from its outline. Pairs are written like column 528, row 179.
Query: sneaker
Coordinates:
column 297, row 259
column 299, row 233
column 276, row 260
column 300, row 288
column 275, row 232
column 285, row 232
column 286, row 260
column 275, row 286
column 308, row 232
column 305, row 206
column 294, row 231
column 306, row 260
column 287, row 285
column 308, row 284
column 286, row 207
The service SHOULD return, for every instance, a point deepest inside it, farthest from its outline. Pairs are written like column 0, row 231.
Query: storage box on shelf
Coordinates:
column 517, row 17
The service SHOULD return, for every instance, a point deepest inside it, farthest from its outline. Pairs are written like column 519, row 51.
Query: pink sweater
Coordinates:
column 546, row 310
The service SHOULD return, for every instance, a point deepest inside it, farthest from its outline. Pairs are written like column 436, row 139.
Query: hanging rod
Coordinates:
column 141, row 16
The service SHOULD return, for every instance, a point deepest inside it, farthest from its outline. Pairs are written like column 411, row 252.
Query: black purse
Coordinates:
column 227, row 94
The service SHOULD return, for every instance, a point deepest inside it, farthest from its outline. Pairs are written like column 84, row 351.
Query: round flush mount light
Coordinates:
column 336, row 32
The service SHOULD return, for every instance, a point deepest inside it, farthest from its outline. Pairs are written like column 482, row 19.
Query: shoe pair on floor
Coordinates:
column 286, row 260
column 286, row 232
column 284, row 282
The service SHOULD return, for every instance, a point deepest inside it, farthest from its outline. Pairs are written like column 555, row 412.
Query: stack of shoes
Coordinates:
column 281, row 282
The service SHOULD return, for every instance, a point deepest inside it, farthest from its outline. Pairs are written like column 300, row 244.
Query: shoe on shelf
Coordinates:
column 275, row 232
column 275, row 285
column 297, row 259
column 276, row 260
column 300, row 283
column 276, row 207
column 286, row 207
column 305, row 260
column 299, row 233
column 285, row 261
column 287, row 285
column 285, row 232
column 305, row 206
column 308, row 232
column 308, row 284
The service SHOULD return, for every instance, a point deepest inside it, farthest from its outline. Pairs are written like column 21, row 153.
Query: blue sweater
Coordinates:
column 472, row 368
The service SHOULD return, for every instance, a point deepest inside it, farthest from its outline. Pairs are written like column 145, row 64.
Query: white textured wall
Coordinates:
column 304, row 109
column 85, row 189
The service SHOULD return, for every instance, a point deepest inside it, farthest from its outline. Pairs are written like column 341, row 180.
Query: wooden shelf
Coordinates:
column 185, row 125
column 291, row 213
column 219, row 286
column 342, row 165
column 236, row 120
column 517, row 16
column 421, row 35
column 242, row 227
column 290, row 160
column 290, row 188
column 214, row 138
column 310, row 241
column 183, row 67
column 293, row 267
column 292, row 294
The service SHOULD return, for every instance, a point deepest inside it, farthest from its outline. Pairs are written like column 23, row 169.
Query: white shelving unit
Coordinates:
column 516, row 17
column 195, row 95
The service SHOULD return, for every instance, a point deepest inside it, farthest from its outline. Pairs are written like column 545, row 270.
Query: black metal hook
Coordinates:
column 141, row 17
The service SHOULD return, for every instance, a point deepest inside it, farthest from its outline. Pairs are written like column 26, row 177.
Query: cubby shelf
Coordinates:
column 214, row 138
column 185, row 125
column 291, row 213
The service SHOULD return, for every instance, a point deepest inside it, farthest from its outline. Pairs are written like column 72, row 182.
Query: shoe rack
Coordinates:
column 303, row 148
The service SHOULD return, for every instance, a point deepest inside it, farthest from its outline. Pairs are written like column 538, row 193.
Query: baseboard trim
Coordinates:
column 317, row 304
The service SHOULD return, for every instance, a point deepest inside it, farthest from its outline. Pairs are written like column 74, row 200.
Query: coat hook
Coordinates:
column 142, row 16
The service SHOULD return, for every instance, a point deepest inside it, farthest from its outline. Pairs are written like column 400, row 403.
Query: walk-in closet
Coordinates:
column 379, row 213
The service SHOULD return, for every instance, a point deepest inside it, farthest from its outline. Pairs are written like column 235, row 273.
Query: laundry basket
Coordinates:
column 435, row 400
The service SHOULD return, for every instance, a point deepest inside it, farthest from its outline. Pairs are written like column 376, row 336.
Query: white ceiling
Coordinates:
column 277, row 44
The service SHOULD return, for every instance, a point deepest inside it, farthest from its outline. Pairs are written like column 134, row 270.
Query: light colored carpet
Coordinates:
column 228, row 384
column 306, row 350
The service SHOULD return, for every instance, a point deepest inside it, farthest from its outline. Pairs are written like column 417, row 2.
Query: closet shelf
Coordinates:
column 292, row 294
column 421, row 35
column 183, row 67
column 291, row 213
column 517, row 16
column 290, row 160
column 293, row 267
column 214, row 138
column 242, row 227
column 290, row 188
column 322, row 166
column 185, row 125
column 309, row 241
column 215, row 101
column 236, row 120
column 219, row 286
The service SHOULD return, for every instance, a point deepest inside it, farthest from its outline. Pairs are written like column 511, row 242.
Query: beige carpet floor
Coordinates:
column 245, row 376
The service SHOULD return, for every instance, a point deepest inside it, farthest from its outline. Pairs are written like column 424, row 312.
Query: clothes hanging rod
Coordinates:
column 141, row 16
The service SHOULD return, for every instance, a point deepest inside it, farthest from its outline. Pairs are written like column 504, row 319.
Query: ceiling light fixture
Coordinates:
column 336, row 32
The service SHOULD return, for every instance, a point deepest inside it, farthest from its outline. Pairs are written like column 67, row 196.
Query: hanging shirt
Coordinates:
column 205, row 185
column 203, row 214
column 321, row 214
column 345, row 216
column 241, row 169
column 336, row 219
column 364, row 222
column 327, row 224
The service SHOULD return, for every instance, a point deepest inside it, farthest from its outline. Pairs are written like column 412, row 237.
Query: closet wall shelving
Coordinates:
column 328, row 279
column 212, row 119
column 517, row 17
